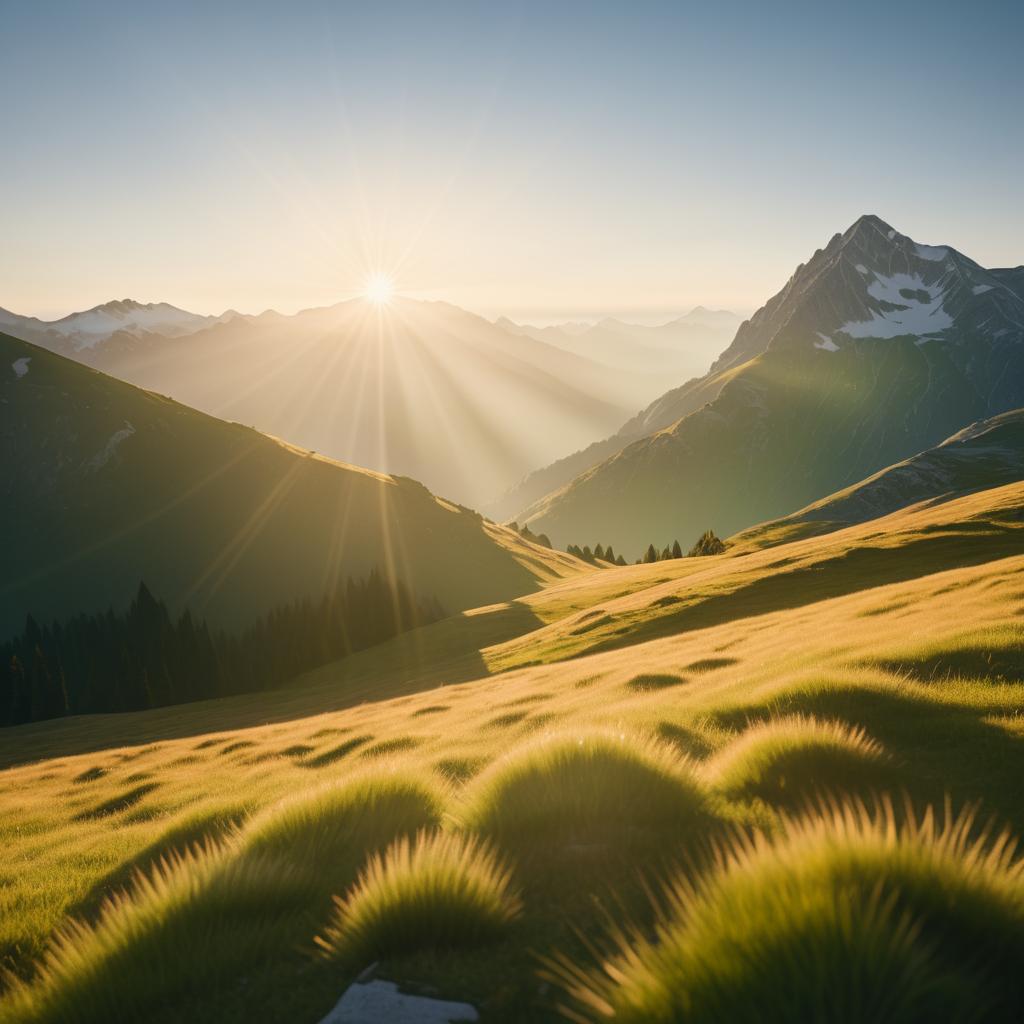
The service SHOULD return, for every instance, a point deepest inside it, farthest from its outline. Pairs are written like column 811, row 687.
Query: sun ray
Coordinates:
column 380, row 289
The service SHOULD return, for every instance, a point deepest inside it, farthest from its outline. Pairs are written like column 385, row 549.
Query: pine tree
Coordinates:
column 707, row 544
column 651, row 555
column 620, row 560
column 599, row 553
column 677, row 551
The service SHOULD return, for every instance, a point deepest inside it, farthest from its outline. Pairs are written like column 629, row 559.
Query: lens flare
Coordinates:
column 380, row 289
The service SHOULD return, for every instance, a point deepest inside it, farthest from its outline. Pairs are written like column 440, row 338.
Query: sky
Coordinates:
column 537, row 160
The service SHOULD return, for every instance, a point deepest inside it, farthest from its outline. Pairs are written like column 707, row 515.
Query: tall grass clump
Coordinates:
column 326, row 833
column 848, row 917
column 785, row 760
column 594, row 786
column 196, row 916
column 203, row 918
column 437, row 891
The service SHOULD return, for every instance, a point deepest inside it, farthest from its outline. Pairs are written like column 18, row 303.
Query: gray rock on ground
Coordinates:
column 375, row 1002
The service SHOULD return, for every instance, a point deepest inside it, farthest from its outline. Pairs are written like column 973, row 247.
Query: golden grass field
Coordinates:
column 595, row 740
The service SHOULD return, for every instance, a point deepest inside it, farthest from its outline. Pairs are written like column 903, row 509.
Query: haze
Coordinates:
column 535, row 162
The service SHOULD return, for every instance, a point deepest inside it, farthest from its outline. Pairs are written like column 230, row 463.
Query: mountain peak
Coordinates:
column 870, row 222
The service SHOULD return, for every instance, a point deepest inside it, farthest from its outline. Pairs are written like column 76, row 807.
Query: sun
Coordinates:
column 380, row 289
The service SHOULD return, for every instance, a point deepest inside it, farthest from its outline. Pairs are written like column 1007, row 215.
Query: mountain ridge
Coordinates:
column 108, row 484
column 875, row 349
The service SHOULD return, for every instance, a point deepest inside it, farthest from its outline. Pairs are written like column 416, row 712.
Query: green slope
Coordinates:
column 908, row 659
column 105, row 483
column 986, row 454
column 878, row 349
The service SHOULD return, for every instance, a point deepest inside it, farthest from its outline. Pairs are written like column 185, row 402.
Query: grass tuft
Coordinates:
column 848, row 917
column 786, row 760
column 327, row 831
column 439, row 891
column 203, row 916
column 592, row 786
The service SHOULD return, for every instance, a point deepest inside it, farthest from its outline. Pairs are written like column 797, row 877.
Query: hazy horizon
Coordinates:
column 526, row 318
column 648, row 161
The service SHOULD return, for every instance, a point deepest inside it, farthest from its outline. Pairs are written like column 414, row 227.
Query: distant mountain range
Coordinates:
column 99, row 334
column 105, row 485
column 420, row 389
column 682, row 348
column 878, row 348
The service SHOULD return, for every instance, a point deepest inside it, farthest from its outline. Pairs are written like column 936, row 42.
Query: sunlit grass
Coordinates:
column 785, row 760
column 586, row 786
column 847, row 917
column 552, row 764
column 201, row 915
column 438, row 891
column 324, row 832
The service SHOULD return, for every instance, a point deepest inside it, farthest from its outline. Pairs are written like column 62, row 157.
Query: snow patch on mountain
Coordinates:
column 826, row 343
column 20, row 366
column 934, row 253
column 910, row 314
column 980, row 289
column 101, row 458
column 90, row 328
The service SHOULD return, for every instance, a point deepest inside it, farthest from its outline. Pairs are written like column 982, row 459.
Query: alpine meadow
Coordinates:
column 539, row 536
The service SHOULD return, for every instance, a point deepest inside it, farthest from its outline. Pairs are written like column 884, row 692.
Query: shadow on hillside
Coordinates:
column 441, row 654
column 926, row 737
column 960, row 545
column 191, row 831
column 998, row 665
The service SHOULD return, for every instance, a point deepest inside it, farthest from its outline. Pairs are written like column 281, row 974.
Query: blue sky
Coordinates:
column 538, row 160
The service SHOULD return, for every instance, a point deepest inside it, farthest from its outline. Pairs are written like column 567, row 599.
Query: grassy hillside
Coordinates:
column 105, row 484
column 570, row 755
column 983, row 455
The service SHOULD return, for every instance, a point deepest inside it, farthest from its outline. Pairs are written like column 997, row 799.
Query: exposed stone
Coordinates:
column 376, row 1001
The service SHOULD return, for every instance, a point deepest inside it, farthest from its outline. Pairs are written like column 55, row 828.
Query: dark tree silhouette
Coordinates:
column 707, row 544
column 143, row 658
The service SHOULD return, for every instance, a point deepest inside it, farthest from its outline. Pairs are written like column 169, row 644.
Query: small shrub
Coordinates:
column 654, row 681
column 784, row 760
column 438, row 891
column 568, row 787
column 847, row 918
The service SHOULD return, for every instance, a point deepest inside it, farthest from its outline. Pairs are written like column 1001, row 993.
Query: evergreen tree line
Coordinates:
column 707, row 544
column 599, row 554
column 526, row 533
column 145, row 658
